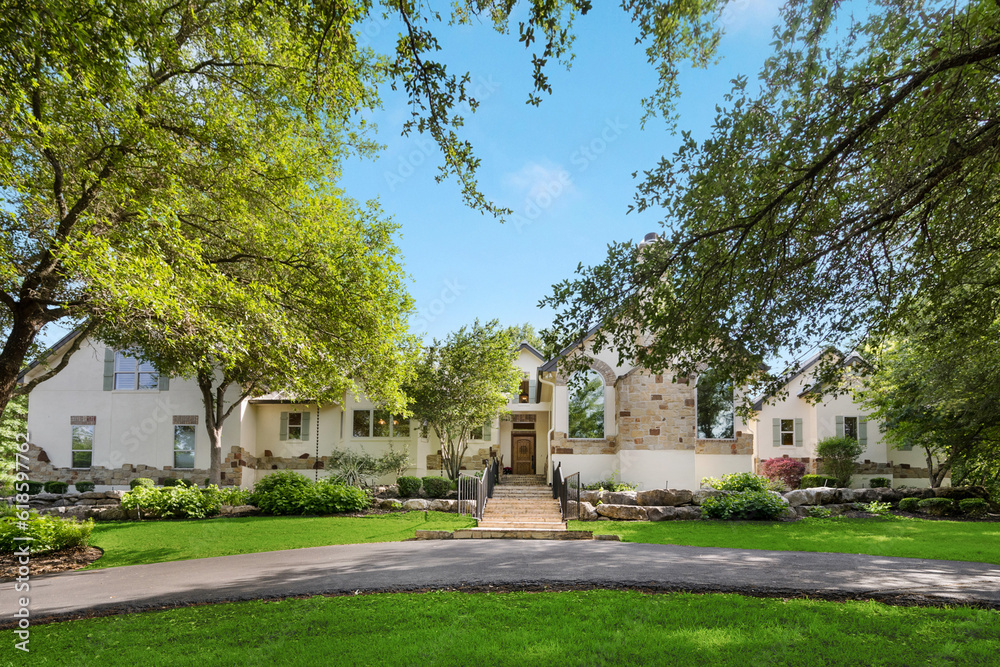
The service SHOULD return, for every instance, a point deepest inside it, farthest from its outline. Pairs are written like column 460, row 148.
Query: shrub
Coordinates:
column 170, row 481
column 84, row 487
column 786, row 471
column 32, row 487
column 47, row 533
column 742, row 481
column 974, row 506
column 141, row 481
column 813, row 481
column 749, row 504
column 436, row 487
column 172, row 502
column 879, row 483
column 819, row 512
column 910, row 505
column 280, row 492
column 232, row 495
column 839, row 455
column 612, row 484
column 874, row 507
column 408, row 486
column 56, row 487
column 328, row 497
column 189, row 483
column 936, row 506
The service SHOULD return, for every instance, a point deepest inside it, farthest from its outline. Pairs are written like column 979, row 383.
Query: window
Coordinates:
column 379, row 424
column 788, row 432
column 586, row 405
column 851, row 427
column 294, row 426
column 133, row 374
column 715, row 405
column 184, row 439
column 83, row 446
column 484, row 432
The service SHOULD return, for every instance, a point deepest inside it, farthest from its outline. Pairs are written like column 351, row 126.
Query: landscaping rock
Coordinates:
column 592, row 497
column 390, row 491
column 466, row 506
column 960, row 492
column 663, row 497
column 390, row 504
column 237, row 510
column 415, row 504
column 587, row 511
column 687, row 513
column 619, row 498
column 46, row 497
column 622, row 512
column 699, row 496
column 93, row 495
column 661, row 513
column 97, row 501
column 114, row 495
column 107, row 513
column 867, row 495
column 443, row 505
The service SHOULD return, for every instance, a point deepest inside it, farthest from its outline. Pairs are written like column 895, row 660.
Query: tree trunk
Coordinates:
column 215, row 417
column 15, row 351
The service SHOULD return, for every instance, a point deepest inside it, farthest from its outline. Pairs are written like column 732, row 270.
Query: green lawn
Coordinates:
column 909, row 538
column 569, row 628
column 137, row 542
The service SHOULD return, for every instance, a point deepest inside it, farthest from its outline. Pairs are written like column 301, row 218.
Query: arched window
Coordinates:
column 715, row 405
column 586, row 405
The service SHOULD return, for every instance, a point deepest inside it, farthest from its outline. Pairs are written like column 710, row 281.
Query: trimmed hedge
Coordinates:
column 141, row 481
column 879, row 483
column 169, row 482
column 437, row 487
column 56, row 487
column 973, row 506
column 84, row 487
column 937, row 506
column 408, row 486
column 813, row 481
column 29, row 487
column 911, row 505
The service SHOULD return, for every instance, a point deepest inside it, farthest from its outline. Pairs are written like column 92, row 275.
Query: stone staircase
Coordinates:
column 522, row 507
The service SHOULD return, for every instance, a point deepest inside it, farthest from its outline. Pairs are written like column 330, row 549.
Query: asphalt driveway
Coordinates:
column 471, row 564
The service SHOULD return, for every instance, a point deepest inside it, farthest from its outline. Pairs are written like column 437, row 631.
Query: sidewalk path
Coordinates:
column 417, row 565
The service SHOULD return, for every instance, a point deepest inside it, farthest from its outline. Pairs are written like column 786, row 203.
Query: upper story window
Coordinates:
column 586, row 406
column 379, row 424
column 133, row 374
column 853, row 427
column 715, row 405
column 294, row 426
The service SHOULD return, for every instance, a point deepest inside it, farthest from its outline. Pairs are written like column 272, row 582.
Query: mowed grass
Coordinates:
column 139, row 542
column 894, row 536
column 566, row 628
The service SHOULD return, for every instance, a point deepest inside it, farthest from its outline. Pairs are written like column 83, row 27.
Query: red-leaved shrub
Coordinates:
column 788, row 471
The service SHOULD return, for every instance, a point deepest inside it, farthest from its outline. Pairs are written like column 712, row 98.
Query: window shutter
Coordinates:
column 798, row 432
column 840, row 426
column 488, row 432
column 109, row 369
column 305, row 425
column 532, row 391
column 777, row 432
column 862, row 430
column 163, row 382
column 283, row 429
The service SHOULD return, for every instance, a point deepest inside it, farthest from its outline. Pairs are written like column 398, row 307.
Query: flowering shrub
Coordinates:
column 787, row 471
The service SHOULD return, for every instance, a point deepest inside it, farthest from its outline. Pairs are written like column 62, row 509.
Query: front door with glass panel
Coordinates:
column 523, row 454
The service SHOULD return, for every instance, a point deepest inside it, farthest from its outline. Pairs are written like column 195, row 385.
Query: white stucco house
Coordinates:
column 107, row 418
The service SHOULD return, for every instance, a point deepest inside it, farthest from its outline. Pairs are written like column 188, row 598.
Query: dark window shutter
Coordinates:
column 109, row 369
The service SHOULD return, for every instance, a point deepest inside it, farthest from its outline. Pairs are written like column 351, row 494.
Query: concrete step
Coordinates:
column 522, row 534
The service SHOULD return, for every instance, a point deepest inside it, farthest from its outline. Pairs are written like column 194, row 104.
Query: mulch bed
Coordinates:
column 59, row 561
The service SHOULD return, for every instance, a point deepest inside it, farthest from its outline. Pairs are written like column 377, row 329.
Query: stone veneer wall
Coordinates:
column 564, row 445
column 475, row 459
column 742, row 445
column 40, row 469
column 655, row 413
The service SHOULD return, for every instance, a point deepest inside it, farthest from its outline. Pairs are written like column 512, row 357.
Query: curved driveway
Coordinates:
column 419, row 565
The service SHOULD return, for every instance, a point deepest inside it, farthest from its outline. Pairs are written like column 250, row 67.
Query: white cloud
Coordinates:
column 540, row 179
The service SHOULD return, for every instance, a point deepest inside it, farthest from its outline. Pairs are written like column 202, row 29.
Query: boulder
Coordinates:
column 845, row 495
column 867, row 495
column 663, row 497
column 687, row 513
column 389, row 504
column 619, row 498
column 840, row 508
column 107, row 513
column 443, row 505
column 622, row 512
column 114, row 495
column 94, row 495
column 98, row 501
column 820, row 495
column 466, row 506
column 47, row 497
column 391, row 491
column 698, row 497
column 415, row 504
column 587, row 511
column 592, row 497
column 661, row 513
column 960, row 492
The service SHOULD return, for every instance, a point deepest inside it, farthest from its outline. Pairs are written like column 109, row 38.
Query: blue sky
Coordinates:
column 564, row 167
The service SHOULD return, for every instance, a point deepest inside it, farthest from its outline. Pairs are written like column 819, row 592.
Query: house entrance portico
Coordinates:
column 523, row 441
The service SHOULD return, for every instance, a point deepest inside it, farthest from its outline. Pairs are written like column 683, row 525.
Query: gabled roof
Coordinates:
column 553, row 363
column 851, row 359
column 525, row 345
column 54, row 349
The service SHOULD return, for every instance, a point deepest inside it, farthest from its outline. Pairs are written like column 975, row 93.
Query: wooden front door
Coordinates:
column 523, row 454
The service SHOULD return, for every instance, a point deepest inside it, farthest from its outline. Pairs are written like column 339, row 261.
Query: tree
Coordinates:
column 935, row 387
column 128, row 129
column 312, row 303
column 13, row 428
column 526, row 333
column 462, row 383
column 839, row 455
column 859, row 178
column 586, row 406
column 715, row 405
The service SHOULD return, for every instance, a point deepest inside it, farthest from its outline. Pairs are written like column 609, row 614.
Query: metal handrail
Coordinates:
column 481, row 489
column 560, row 490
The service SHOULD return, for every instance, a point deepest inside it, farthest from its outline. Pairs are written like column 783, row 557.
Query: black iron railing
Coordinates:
column 478, row 488
column 564, row 488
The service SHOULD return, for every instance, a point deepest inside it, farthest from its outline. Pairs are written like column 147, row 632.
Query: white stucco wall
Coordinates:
column 659, row 469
